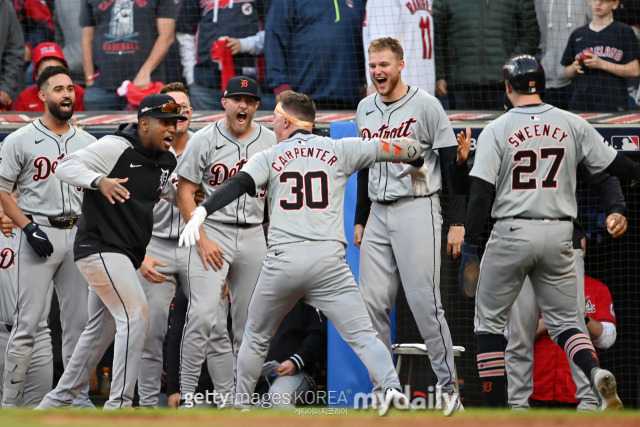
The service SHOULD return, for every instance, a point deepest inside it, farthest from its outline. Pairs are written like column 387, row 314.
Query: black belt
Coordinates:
column 393, row 202
column 565, row 218
column 238, row 225
column 59, row 222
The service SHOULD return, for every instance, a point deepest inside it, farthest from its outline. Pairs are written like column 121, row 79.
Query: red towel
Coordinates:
column 221, row 54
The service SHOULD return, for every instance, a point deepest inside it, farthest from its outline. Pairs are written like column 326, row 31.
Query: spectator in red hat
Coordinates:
column 45, row 55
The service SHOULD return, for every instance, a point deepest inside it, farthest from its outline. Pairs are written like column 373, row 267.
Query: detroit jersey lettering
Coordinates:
column 214, row 155
column 420, row 119
column 539, row 149
column 306, row 176
column 30, row 156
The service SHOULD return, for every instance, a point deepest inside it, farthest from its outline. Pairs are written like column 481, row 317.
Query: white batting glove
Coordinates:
column 191, row 233
column 419, row 179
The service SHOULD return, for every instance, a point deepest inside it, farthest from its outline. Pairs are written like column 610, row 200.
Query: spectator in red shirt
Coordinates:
column 45, row 55
column 552, row 380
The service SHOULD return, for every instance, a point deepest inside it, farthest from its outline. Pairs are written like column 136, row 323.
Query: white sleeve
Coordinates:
column 608, row 337
column 188, row 60
column 253, row 45
column 82, row 167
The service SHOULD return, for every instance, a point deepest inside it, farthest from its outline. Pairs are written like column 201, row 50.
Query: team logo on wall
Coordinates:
column 247, row 8
column 626, row 143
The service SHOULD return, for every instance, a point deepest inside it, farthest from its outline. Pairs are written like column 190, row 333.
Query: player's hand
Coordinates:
column 38, row 240
column 419, row 178
column 358, row 232
column 286, row 368
column 441, row 88
column 5, row 99
column 577, row 67
column 199, row 196
column 455, row 237
column 224, row 291
column 592, row 61
column 173, row 400
column 112, row 189
column 191, row 233
column 7, row 225
column 210, row 252
column 233, row 44
column 148, row 269
column 464, row 146
column 616, row 225
column 142, row 80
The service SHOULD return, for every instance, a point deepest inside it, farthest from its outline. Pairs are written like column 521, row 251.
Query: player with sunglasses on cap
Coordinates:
column 130, row 171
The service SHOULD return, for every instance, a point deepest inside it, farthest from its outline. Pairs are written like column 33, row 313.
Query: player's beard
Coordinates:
column 240, row 129
column 56, row 112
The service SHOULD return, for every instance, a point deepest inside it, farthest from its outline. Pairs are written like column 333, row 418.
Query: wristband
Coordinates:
column 92, row 76
column 586, row 320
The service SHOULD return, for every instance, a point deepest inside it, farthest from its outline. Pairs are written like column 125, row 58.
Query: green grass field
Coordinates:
column 353, row 418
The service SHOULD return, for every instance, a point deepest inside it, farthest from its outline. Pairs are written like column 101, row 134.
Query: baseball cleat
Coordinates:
column 394, row 398
column 603, row 384
column 451, row 404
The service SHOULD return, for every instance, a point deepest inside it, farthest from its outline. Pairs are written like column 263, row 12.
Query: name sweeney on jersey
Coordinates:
column 307, row 152
column 527, row 132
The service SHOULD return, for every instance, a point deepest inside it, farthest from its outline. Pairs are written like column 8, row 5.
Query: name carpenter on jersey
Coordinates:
column 307, row 152
column 527, row 132
column 384, row 131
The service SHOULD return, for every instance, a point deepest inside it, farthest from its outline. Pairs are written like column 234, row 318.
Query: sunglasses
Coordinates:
column 164, row 108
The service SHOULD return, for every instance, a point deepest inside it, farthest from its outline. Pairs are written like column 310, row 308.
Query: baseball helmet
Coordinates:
column 525, row 74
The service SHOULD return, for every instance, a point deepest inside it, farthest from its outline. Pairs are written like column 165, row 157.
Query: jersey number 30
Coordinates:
column 302, row 190
column 528, row 164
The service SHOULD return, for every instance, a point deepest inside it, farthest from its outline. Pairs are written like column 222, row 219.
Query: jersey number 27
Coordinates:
column 528, row 163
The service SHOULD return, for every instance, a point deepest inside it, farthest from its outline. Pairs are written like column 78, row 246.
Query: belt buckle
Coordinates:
column 65, row 223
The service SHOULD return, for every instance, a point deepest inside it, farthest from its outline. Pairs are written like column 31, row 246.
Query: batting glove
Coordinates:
column 419, row 179
column 469, row 270
column 191, row 233
column 38, row 240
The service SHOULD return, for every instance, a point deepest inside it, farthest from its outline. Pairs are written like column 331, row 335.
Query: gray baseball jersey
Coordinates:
column 402, row 233
column 40, row 373
column 306, row 175
column 29, row 158
column 531, row 155
column 417, row 115
column 213, row 155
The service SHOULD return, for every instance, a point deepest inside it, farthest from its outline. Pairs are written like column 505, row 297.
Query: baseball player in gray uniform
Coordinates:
column 529, row 156
column 522, row 321
column 40, row 373
column 232, row 246
column 46, row 211
column 305, row 176
column 163, row 269
column 130, row 170
column 401, row 240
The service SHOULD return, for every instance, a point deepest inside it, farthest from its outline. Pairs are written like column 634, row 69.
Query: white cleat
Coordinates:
column 451, row 404
column 603, row 384
column 393, row 398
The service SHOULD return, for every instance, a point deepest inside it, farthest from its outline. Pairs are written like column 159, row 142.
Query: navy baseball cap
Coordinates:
column 242, row 85
column 160, row 106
